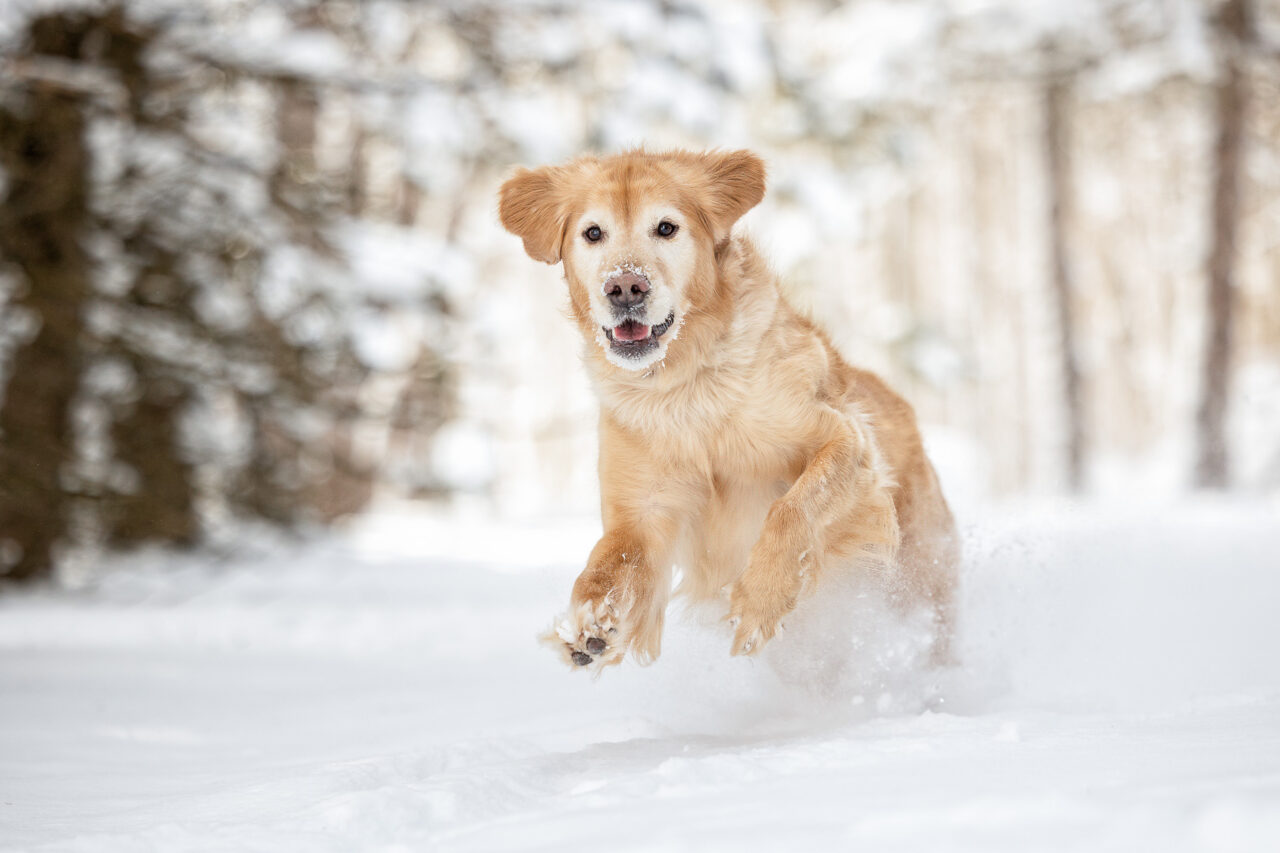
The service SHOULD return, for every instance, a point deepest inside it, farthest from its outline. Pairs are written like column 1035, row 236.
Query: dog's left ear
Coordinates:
column 736, row 186
column 532, row 205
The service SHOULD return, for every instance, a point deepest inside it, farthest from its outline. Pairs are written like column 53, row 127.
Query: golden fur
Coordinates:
column 744, row 449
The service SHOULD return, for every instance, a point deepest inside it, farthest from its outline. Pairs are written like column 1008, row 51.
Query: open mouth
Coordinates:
column 634, row 339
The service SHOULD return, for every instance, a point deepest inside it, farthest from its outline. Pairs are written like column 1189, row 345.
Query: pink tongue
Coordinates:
column 631, row 331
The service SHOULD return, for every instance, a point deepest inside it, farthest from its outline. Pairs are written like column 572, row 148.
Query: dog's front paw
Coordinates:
column 755, row 613
column 591, row 632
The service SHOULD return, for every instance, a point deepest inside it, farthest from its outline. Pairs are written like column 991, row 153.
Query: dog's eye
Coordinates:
column 593, row 234
column 666, row 229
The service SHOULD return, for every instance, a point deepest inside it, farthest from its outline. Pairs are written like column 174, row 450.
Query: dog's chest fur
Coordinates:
column 743, row 414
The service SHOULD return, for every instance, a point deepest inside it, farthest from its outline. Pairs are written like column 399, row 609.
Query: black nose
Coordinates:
column 626, row 290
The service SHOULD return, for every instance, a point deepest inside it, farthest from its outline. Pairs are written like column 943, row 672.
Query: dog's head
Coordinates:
column 638, row 234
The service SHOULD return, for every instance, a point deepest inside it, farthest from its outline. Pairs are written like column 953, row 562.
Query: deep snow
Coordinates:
column 383, row 690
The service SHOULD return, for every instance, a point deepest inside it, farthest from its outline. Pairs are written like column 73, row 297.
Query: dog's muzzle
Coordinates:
column 631, row 334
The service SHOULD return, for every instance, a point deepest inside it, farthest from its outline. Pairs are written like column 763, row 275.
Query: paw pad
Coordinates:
column 589, row 634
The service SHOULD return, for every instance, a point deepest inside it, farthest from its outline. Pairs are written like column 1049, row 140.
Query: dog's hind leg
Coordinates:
column 929, row 557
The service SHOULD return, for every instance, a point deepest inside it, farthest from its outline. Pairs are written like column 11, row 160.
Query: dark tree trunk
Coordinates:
column 1057, row 97
column 162, row 507
column 42, row 220
column 269, row 487
column 1213, row 463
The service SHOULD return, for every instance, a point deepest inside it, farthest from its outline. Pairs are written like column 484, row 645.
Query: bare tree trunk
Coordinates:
column 1057, row 97
column 162, row 506
column 1213, row 463
column 358, row 174
column 42, row 220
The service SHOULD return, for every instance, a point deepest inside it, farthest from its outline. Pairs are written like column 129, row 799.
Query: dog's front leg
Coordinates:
column 844, row 483
column 620, row 599
column 618, row 602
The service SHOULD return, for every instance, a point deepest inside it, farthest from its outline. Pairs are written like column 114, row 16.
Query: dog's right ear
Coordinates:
column 532, row 205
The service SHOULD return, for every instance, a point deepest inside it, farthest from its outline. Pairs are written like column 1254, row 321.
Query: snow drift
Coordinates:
column 383, row 690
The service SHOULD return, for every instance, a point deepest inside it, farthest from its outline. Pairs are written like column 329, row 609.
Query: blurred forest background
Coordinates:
column 250, row 267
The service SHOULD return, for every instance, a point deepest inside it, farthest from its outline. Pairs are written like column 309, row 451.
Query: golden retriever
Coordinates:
column 735, row 441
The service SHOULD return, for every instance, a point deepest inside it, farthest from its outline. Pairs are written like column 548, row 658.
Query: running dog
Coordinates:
column 735, row 442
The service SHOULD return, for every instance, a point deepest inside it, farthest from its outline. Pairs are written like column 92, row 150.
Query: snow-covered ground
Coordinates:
column 383, row 690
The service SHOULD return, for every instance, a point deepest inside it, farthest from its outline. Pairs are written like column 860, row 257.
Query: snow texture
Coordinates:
column 384, row 690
